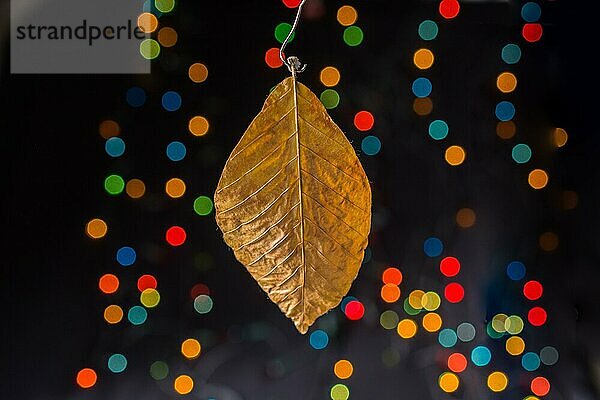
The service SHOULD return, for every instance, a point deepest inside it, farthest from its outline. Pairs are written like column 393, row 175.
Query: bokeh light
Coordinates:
column 329, row 76
column 506, row 129
column 117, row 363
column 96, row 228
column 392, row 275
column 109, row 128
column 198, row 72
column 282, row 30
column 433, row 247
column 422, row 106
column 511, row 53
column 455, row 155
column 449, row 8
column 438, row 129
column 114, row 147
column 167, row 37
column 175, row 188
column 203, row 304
column 448, row 382
column 198, row 125
column 389, row 319
column 108, row 283
column 343, row 369
column 146, row 281
column 447, row 337
column 147, row 22
column 454, row 292
column 363, row 120
column 149, row 298
column 190, row 348
column 422, row 87
column 159, row 370
column 465, row 218
column 330, row 98
column 423, row 58
column 432, row 322
column 465, row 332
column 175, row 236
column 481, row 356
column 347, row 15
column 514, row 345
column 506, row 82
column 538, row 179
column 113, row 314
column 339, row 392
column 532, row 32
column 126, row 256
column 497, row 381
column 176, row 151
column 521, row 153
column 540, row 386
column 149, row 49
column 390, row 293
column 114, row 184
column 319, row 339
column 183, row 384
column 531, row 12
column 559, row 137
column 291, row 3
column 137, row 315
column 371, row 145
column 505, row 111
column 203, row 205
column 457, row 362
column 353, row 36
column 407, row 328
column 537, row 316
column 515, row 270
column 354, row 310
column 414, row 299
column 135, row 188
column 86, row 378
column 431, row 301
column 532, row 290
column 449, row 266
column 549, row 355
column 171, row 100
column 530, row 361
column 272, row 58
column 428, row 30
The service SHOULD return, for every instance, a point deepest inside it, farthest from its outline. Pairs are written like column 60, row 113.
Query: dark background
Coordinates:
column 55, row 164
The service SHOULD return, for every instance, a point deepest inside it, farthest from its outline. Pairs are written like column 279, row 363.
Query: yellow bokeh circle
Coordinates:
column 506, row 82
column 347, row 15
column 448, row 382
column 183, row 384
column 343, row 369
column 538, row 179
column 432, row 322
column 497, row 381
column 423, row 58
column 406, row 328
column 329, row 76
column 455, row 155
column 190, row 348
column 515, row 345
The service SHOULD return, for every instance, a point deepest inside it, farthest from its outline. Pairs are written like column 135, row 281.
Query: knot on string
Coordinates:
column 294, row 65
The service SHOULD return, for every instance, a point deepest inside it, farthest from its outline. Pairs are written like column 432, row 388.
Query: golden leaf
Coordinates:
column 294, row 204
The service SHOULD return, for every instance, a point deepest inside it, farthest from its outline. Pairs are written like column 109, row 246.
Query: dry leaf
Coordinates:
column 294, row 203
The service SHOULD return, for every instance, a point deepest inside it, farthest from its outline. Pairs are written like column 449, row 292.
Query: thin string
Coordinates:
column 292, row 63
